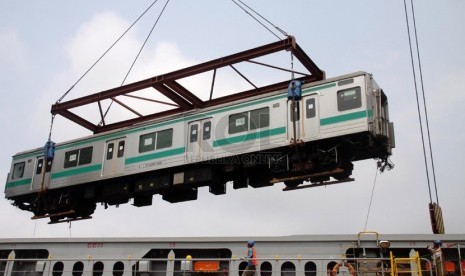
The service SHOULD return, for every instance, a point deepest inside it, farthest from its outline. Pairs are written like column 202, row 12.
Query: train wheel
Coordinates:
column 293, row 184
column 348, row 167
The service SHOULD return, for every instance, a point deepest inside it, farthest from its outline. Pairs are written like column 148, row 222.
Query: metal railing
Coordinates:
column 186, row 267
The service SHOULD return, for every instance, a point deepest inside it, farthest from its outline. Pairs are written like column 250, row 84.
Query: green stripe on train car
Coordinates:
column 346, row 117
column 316, row 88
column 155, row 155
column 18, row 183
column 249, row 136
column 81, row 170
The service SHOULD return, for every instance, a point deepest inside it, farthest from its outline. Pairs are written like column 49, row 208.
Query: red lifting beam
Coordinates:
column 167, row 85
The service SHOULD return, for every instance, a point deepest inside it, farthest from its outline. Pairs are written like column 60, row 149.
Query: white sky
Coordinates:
column 45, row 46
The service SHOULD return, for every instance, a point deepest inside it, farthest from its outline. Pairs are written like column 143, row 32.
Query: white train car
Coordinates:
column 368, row 253
column 257, row 141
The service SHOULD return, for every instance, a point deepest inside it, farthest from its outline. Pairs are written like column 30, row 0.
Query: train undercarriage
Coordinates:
column 314, row 162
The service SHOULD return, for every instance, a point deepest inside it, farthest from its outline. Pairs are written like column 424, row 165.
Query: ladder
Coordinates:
column 409, row 265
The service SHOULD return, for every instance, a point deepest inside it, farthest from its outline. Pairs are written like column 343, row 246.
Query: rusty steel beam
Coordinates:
column 168, row 92
column 244, row 94
column 79, row 120
column 167, row 85
column 255, row 92
column 101, row 113
column 179, row 74
column 244, row 77
column 308, row 63
column 139, row 120
column 127, row 107
column 183, row 92
column 150, row 100
column 276, row 67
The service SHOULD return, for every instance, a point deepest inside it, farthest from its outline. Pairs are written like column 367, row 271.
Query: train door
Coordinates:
column 114, row 157
column 311, row 118
column 303, row 119
column 41, row 175
column 199, row 141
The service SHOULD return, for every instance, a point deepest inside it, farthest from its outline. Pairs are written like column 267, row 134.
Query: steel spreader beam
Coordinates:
column 168, row 85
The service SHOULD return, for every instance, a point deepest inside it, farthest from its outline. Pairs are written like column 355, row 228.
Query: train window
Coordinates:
column 18, row 170
column 193, row 133
column 97, row 270
column 85, row 156
column 118, row 269
column 120, row 149
column 40, row 164
column 165, row 138
column 238, row 122
column 48, row 166
column 349, row 98
column 110, row 150
column 58, row 269
column 71, row 158
column 295, row 112
column 78, row 269
column 311, row 108
column 147, row 142
column 310, row 269
column 242, row 267
column 207, row 129
column 266, row 269
column 78, row 157
column 259, row 118
column 288, row 269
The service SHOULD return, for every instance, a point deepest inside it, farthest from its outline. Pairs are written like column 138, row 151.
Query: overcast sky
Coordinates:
column 45, row 46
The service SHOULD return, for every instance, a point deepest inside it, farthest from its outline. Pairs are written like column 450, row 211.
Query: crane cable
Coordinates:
column 256, row 19
column 371, row 199
column 418, row 102
column 95, row 63
column 137, row 56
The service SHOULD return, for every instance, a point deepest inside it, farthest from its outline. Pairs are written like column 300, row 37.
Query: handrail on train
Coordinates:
column 366, row 233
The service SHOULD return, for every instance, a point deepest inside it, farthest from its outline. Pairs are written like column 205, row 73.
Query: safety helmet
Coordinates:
column 251, row 243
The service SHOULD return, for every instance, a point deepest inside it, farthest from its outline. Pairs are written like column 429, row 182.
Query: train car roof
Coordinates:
column 292, row 238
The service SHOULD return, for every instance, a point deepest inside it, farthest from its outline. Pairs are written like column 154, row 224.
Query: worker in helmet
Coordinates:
column 252, row 261
column 438, row 262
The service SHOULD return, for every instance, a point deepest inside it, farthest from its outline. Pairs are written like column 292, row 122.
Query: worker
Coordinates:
column 346, row 264
column 437, row 257
column 186, row 265
column 252, row 261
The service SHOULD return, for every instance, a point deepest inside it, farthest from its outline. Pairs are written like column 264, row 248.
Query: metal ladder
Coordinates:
column 399, row 265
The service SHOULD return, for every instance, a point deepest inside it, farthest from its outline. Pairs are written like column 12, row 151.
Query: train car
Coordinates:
column 367, row 253
column 258, row 141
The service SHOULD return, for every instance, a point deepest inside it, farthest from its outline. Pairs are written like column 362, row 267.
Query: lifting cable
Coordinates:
column 371, row 199
column 418, row 102
column 256, row 19
column 137, row 56
column 95, row 63
column 435, row 212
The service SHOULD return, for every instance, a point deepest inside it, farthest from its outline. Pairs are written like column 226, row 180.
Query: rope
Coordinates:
column 137, row 56
column 259, row 20
column 51, row 127
column 95, row 63
column 418, row 104
column 145, row 42
column 424, row 103
column 371, row 199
